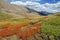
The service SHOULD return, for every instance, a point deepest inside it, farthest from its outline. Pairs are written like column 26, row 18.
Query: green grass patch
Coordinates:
column 51, row 26
column 2, row 15
column 5, row 17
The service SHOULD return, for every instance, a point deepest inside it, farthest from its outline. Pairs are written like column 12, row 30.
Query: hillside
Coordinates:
column 13, row 16
column 49, row 30
column 15, row 11
column 51, row 26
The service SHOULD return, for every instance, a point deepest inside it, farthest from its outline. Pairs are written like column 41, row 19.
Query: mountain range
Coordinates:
column 20, row 11
column 16, row 11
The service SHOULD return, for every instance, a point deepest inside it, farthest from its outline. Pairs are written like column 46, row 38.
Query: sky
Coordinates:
column 40, row 1
column 51, row 6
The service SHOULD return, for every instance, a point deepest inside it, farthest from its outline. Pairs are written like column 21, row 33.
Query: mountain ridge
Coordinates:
column 13, row 10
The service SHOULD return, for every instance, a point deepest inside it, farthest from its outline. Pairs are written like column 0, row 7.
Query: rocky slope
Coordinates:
column 15, row 11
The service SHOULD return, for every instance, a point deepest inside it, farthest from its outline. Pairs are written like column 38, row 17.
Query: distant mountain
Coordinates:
column 44, row 13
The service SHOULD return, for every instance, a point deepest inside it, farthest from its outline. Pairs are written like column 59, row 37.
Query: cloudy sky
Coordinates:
column 39, row 5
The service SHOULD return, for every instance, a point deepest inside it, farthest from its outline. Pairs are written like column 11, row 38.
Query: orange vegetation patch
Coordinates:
column 21, row 30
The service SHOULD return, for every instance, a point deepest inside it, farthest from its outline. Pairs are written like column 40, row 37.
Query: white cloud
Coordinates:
column 53, row 7
column 40, row 7
column 17, row 3
column 24, row 3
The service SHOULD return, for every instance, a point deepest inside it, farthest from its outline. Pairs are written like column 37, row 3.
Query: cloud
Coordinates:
column 24, row 3
column 17, row 3
column 52, row 7
column 40, row 7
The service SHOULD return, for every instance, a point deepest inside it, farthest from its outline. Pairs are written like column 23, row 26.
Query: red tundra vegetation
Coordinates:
column 21, row 30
